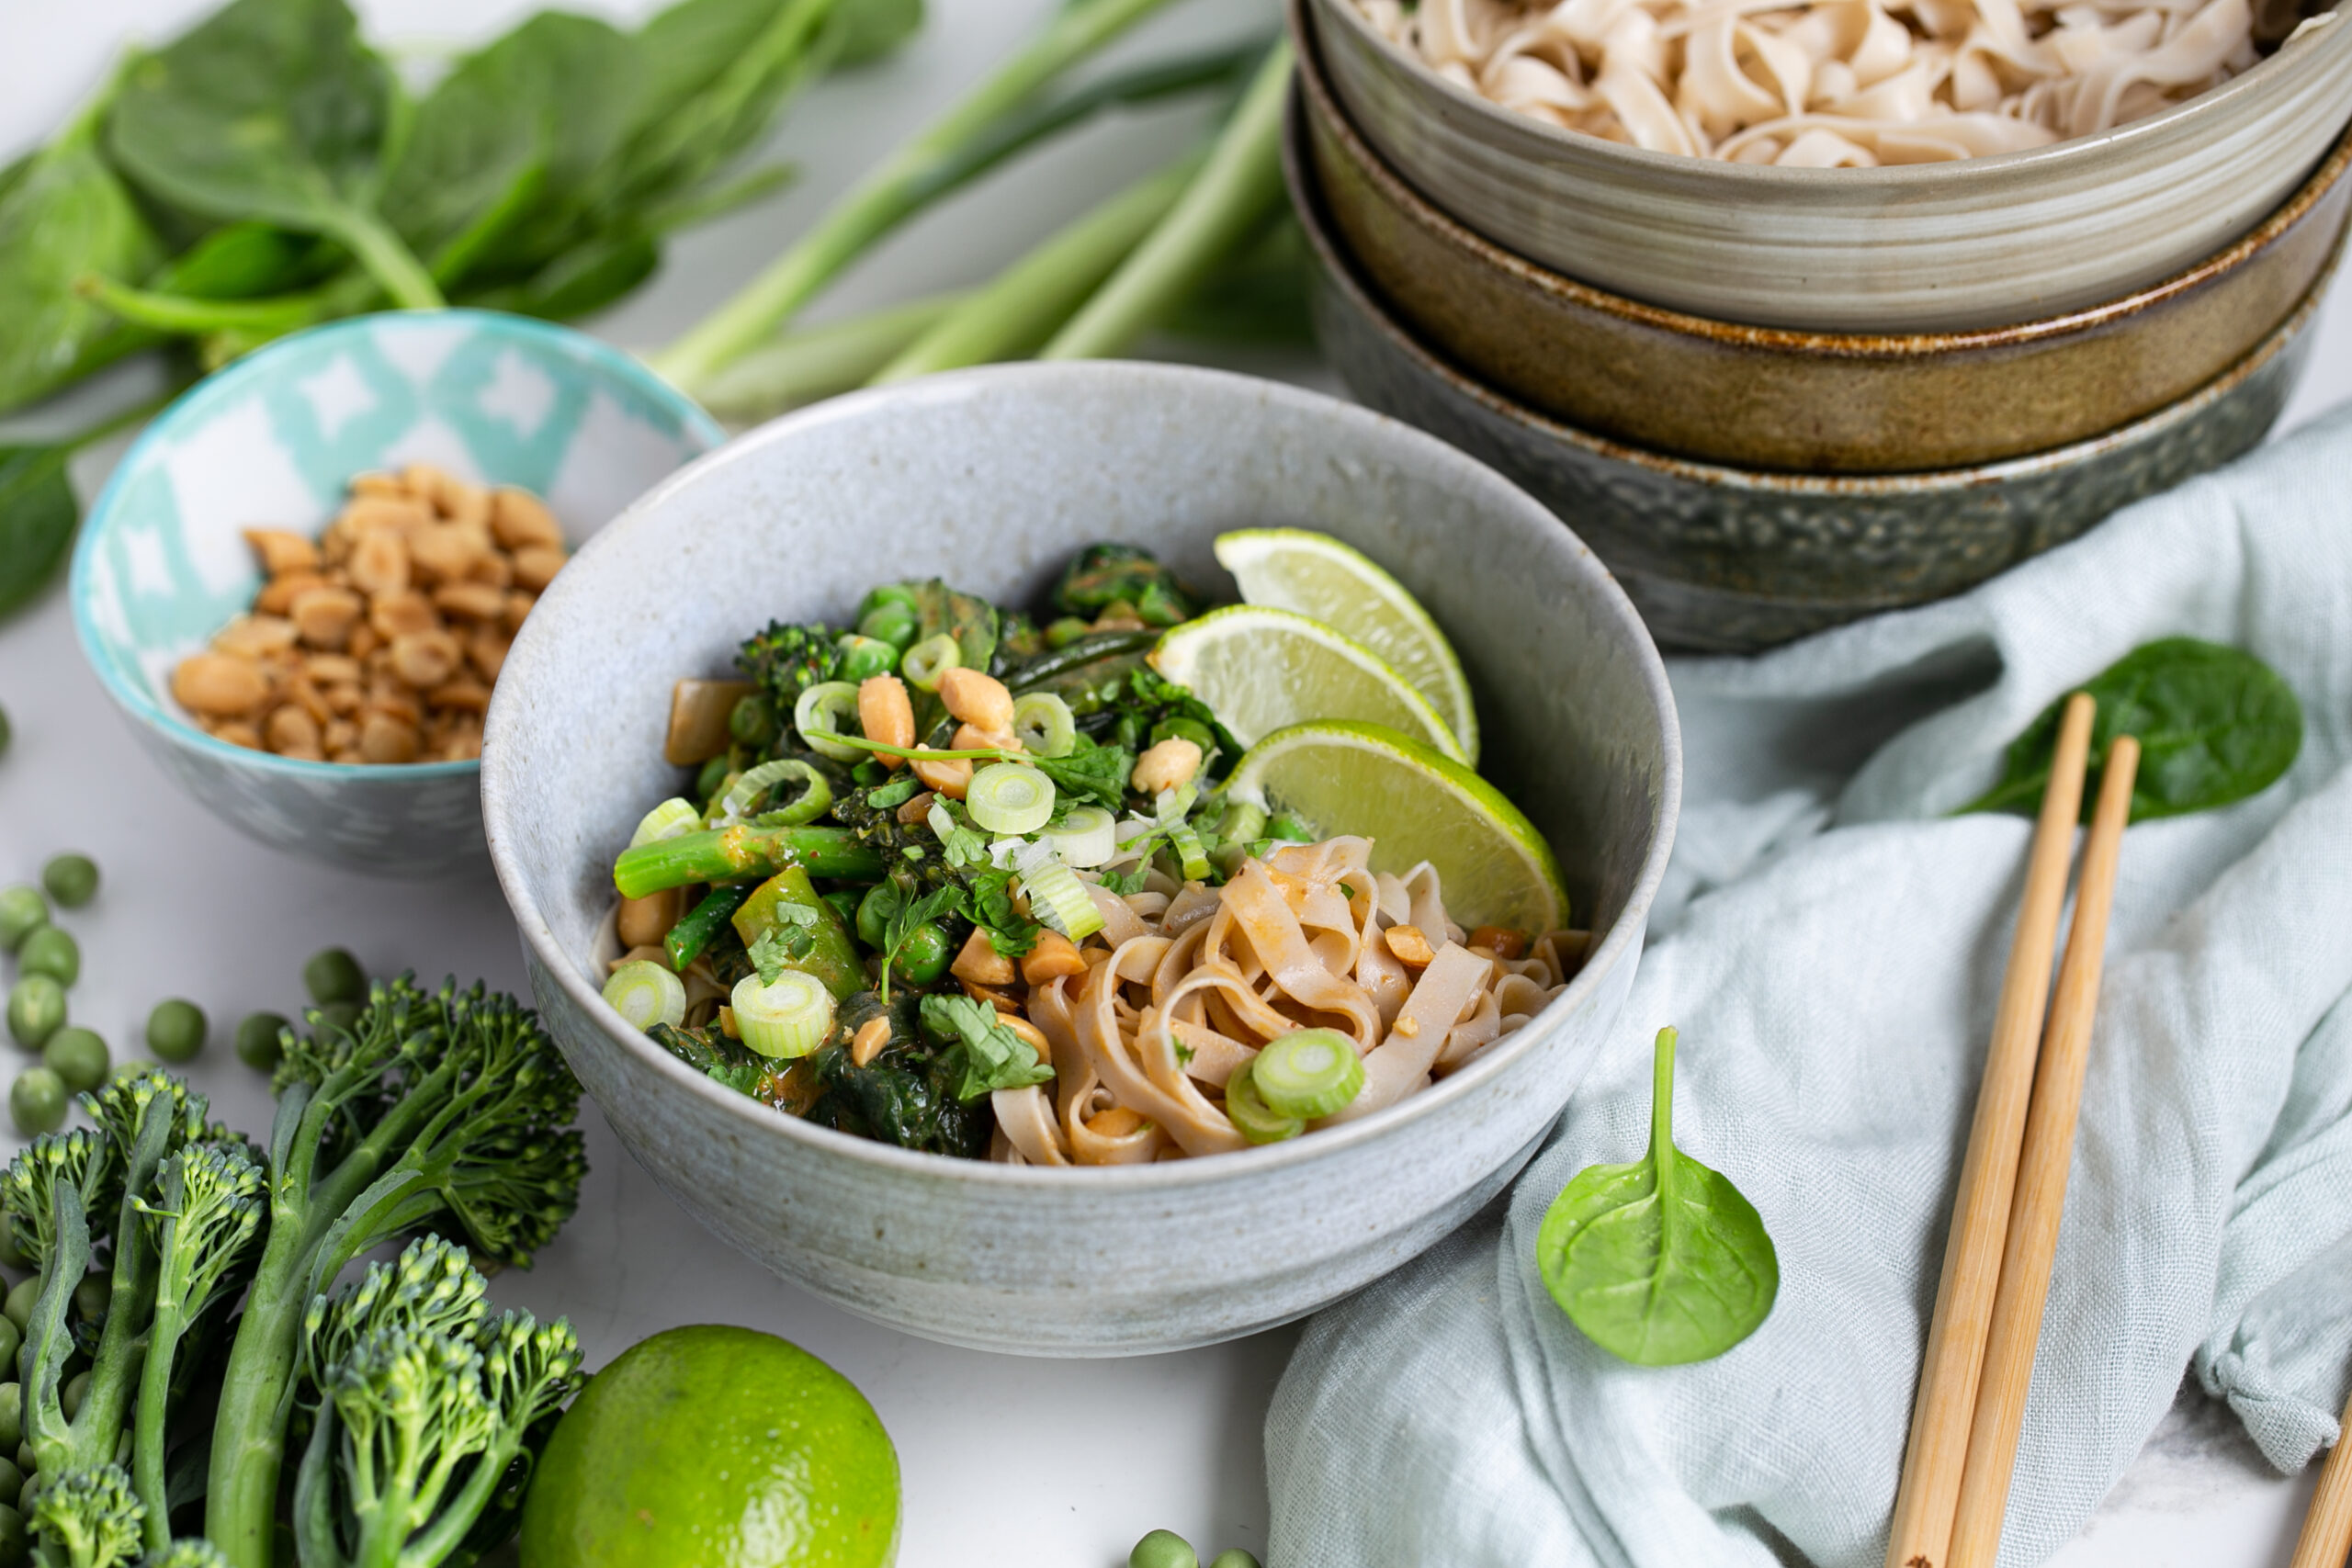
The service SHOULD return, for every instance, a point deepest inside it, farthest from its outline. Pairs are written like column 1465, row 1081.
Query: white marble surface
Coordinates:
column 1006, row 1461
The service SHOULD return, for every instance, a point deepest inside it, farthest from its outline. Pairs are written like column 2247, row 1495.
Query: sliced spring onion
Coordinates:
column 1307, row 1073
column 1087, row 837
column 1173, row 806
column 787, row 1018
column 825, row 710
column 815, row 794
column 1243, row 820
column 1192, row 855
column 1056, row 896
column 667, row 820
column 1042, row 723
column 927, row 660
column 1250, row 1113
column 1007, row 797
column 646, row 993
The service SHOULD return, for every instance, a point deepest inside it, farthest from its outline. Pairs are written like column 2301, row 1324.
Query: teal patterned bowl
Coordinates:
column 272, row 441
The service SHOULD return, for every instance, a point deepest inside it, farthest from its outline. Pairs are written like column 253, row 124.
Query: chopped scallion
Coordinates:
column 1042, row 723
column 1057, row 897
column 645, row 993
column 1006, row 797
column 1307, row 1073
column 1087, row 837
column 1250, row 1113
column 746, row 792
column 927, row 660
column 1192, row 855
column 786, row 1018
column 824, row 711
column 667, row 820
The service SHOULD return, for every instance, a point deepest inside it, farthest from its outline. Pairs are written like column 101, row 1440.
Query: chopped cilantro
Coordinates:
column 994, row 1056
column 898, row 791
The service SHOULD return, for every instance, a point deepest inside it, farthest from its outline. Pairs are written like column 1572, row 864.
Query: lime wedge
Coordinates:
column 1494, row 868
column 1262, row 668
column 1315, row 574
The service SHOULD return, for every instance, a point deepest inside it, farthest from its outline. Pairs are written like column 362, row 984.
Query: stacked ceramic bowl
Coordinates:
column 1777, row 399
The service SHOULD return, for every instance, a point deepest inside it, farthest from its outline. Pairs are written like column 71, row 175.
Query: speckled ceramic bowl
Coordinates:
column 991, row 479
column 1732, row 560
column 1811, row 403
column 1926, row 247
column 272, row 441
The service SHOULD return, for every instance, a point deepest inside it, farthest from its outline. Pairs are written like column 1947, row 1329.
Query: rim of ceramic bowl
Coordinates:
column 1314, row 77
column 1339, row 272
column 1896, row 177
column 502, row 794
column 227, row 382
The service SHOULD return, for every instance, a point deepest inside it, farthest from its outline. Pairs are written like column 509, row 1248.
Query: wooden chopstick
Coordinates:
column 2327, row 1528
column 2042, row 1164
column 1946, row 1403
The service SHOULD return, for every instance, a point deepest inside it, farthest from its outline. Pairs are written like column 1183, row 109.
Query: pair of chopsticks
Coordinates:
column 1981, row 1343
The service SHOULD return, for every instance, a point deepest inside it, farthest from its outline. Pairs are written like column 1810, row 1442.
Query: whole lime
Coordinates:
column 713, row 1447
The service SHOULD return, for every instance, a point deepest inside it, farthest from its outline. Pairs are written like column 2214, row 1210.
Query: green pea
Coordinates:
column 897, row 624
column 16, row 1549
column 176, row 1030
column 926, row 955
column 11, row 1254
column 12, row 1402
column 888, row 594
column 753, row 722
column 11, row 1341
column 51, row 951
column 343, row 1016
column 1163, row 1548
column 22, row 912
column 18, row 1307
column 27, row 1461
column 77, row 1056
column 874, row 912
column 1183, row 729
column 863, row 658
column 1233, row 1557
column 334, row 975
column 12, row 1484
column 712, row 776
column 36, row 1011
column 1067, row 630
column 92, row 1292
column 71, row 879
column 258, row 1043
column 70, row 1397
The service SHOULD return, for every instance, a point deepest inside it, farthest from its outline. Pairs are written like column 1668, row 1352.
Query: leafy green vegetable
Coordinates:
column 1096, row 775
column 1101, row 575
column 906, row 1094
column 275, row 110
column 2215, row 724
column 994, row 1056
column 38, row 513
column 64, row 213
column 1661, row 1262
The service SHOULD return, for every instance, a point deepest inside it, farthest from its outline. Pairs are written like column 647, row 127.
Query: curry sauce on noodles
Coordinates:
column 1839, row 82
column 1187, row 983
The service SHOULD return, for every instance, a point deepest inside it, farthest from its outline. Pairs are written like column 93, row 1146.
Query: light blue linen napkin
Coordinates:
column 1831, row 946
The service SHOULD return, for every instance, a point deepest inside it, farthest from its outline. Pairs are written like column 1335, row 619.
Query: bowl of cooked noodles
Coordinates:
column 1191, row 1050
column 1840, row 165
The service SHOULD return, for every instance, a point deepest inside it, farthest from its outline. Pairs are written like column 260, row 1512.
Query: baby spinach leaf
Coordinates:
column 1661, row 1262
column 64, row 213
column 2214, row 723
column 275, row 110
column 38, row 513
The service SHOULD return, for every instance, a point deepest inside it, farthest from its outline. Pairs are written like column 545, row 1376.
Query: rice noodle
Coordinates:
column 1188, row 985
column 1830, row 84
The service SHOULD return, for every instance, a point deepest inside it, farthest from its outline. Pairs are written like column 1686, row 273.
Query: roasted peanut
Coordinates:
column 254, row 636
column 518, row 518
column 378, row 563
column 380, row 484
column 977, row 698
column 487, row 649
column 1119, row 1122
column 292, row 731
column 278, row 596
column 951, row 776
column 519, row 605
column 282, row 551
column 405, row 614
column 330, row 669
column 971, row 737
column 442, row 552
column 536, row 566
column 981, row 963
column 1500, row 940
column 426, row 659
column 867, row 1043
column 382, row 514
column 325, row 616
column 1410, row 946
column 886, row 715
column 645, row 921
column 385, row 738
column 461, row 695
column 1054, row 957
column 1169, row 765
column 237, row 732
column 220, row 685
column 475, row 600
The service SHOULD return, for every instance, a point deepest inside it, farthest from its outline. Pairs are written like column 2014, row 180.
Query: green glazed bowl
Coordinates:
column 272, row 441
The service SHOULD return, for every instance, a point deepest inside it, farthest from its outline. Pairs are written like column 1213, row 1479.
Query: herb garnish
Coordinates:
column 994, row 1056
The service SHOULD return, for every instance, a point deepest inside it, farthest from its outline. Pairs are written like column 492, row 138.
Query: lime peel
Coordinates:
column 1263, row 668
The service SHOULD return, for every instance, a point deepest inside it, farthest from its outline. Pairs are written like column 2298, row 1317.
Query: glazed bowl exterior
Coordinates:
column 991, row 479
column 1722, row 560
column 1803, row 401
column 271, row 442
column 1924, row 247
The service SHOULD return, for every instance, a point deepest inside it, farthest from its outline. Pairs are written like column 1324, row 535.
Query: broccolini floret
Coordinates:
column 786, row 660
column 87, row 1517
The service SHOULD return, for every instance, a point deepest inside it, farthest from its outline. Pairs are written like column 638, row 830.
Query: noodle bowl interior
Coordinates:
column 1842, row 83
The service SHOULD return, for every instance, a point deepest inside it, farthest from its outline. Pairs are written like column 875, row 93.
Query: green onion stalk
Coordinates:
column 935, row 161
column 801, row 367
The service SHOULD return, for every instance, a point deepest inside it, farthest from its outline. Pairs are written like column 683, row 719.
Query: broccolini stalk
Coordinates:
column 1239, row 185
column 801, row 367
column 425, row 1403
column 193, row 1552
column 205, row 1226
column 739, row 853
column 450, row 1108
column 87, row 1517
column 921, row 171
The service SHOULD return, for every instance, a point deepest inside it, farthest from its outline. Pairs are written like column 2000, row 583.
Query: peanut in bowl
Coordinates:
column 299, row 583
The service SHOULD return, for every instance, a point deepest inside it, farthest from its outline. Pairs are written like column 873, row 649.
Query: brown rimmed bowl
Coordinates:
column 1804, row 402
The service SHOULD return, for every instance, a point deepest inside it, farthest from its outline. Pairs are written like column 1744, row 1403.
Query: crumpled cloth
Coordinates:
column 1831, row 943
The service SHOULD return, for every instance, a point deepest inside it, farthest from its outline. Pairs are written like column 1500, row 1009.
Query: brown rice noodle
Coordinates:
column 1833, row 84
column 1189, row 982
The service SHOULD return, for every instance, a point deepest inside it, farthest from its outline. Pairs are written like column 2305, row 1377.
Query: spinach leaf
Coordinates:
column 275, row 110
column 2215, row 724
column 64, row 213
column 994, row 1056
column 718, row 72
column 1095, row 774
column 1660, row 1261
column 38, row 513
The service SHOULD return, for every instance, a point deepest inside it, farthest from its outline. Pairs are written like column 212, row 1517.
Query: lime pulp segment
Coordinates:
column 1262, row 669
